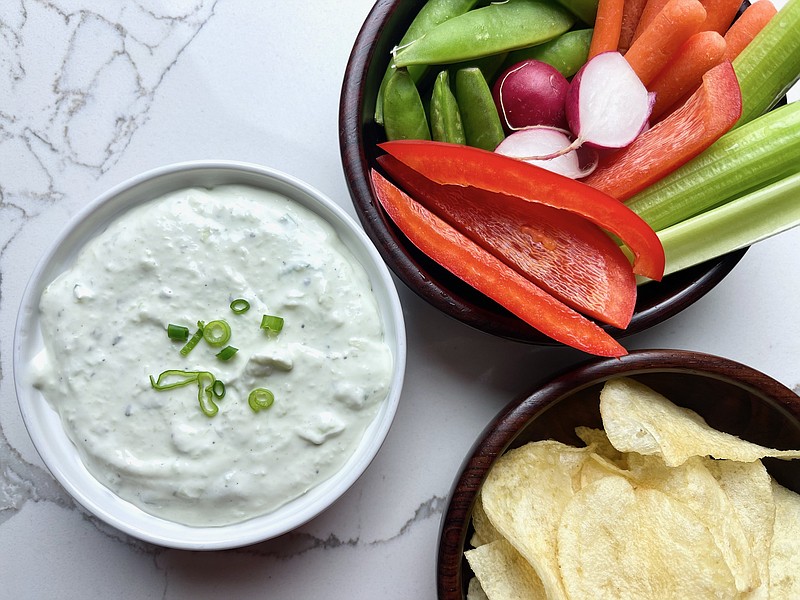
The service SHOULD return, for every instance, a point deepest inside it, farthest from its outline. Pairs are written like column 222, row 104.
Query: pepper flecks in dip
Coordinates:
column 182, row 259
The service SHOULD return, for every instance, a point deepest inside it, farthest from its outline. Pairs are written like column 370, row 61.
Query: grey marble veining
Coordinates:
column 77, row 83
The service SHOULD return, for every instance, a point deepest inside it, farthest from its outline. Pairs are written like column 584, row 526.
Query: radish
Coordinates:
column 607, row 105
column 528, row 144
column 530, row 93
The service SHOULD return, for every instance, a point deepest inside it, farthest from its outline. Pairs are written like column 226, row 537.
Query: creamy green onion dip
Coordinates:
column 183, row 258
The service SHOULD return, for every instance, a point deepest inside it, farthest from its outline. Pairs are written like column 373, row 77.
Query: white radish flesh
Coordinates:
column 607, row 105
column 535, row 142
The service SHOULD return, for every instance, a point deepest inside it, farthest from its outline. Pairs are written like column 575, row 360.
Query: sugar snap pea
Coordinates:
column 493, row 29
column 567, row 53
column 482, row 126
column 490, row 65
column 446, row 125
column 432, row 13
column 404, row 115
column 585, row 10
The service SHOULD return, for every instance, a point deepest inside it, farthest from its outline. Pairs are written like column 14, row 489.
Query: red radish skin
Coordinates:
column 607, row 106
column 531, row 93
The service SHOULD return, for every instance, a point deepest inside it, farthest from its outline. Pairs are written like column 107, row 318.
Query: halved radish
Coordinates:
column 534, row 142
column 607, row 105
column 531, row 93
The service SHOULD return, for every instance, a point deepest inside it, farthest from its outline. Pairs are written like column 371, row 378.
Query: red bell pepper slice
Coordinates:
column 465, row 166
column 490, row 276
column 566, row 255
column 708, row 113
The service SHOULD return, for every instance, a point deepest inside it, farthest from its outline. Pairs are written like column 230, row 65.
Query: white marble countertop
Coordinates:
column 93, row 92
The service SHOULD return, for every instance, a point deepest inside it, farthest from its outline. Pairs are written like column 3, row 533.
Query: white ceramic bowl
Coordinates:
column 44, row 424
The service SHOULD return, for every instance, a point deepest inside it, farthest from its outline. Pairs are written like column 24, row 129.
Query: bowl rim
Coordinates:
column 103, row 503
column 687, row 286
column 503, row 429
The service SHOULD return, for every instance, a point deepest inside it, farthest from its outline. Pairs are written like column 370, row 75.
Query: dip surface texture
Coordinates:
column 182, row 259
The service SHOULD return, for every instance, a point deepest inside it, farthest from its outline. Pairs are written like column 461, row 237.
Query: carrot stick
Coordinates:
column 631, row 15
column 676, row 23
column 650, row 10
column 684, row 73
column 720, row 14
column 607, row 27
column 745, row 28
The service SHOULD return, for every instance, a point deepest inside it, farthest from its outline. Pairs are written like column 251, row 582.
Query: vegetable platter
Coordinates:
column 508, row 143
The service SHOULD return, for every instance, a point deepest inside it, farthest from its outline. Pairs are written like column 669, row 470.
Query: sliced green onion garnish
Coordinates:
column 227, row 353
column 240, row 305
column 272, row 323
column 208, row 386
column 260, row 398
column 205, row 393
column 217, row 333
column 193, row 341
column 185, row 378
column 178, row 332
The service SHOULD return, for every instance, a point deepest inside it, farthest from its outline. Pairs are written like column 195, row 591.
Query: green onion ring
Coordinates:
column 187, row 378
column 205, row 393
column 217, row 333
column 240, row 305
column 260, row 398
column 193, row 341
column 218, row 389
column 272, row 323
column 178, row 332
column 227, row 353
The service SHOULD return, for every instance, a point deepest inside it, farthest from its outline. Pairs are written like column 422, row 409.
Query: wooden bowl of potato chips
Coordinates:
column 663, row 474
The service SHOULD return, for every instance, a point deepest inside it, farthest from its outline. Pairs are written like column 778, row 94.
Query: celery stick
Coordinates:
column 770, row 64
column 739, row 223
column 753, row 155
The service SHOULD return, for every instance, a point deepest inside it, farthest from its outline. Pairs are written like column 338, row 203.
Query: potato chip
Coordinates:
column 596, row 467
column 598, row 439
column 638, row 419
column 643, row 511
column 784, row 560
column 619, row 542
column 523, row 496
column 693, row 485
column 484, row 530
column 503, row 573
column 749, row 488
column 475, row 591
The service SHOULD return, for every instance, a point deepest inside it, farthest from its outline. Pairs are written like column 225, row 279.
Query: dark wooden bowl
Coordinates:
column 730, row 396
column 358, row 139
